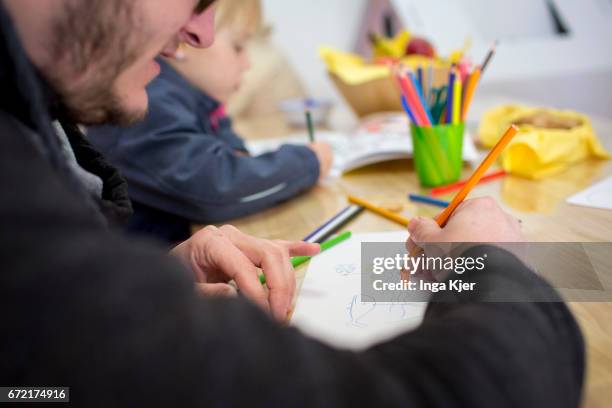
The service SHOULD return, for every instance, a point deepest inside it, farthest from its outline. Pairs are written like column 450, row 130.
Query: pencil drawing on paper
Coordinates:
column 346, row 269
column 358, row 310
column 366, row 311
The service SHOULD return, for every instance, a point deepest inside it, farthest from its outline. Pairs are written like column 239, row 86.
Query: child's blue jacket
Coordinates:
column 183, row 164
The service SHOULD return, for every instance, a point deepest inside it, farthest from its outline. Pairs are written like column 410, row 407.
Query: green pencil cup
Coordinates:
column 437, row 153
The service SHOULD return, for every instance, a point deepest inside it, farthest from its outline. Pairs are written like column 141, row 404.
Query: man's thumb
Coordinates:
column 423, row 229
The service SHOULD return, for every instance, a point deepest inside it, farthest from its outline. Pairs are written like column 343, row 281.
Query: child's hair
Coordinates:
column 243, row 14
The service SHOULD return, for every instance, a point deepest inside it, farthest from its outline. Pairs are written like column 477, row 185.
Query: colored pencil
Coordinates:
column 408, row 111
column 333, row 224
column 488, row 57
column 413, row 100
column 299, row 260
column 456, row 186
column 429, row 81
column 442, row 119
column 428, row 200
column 420, row 77
column 409, row 105
column 439, row 101
column 450, row 97
column 421, row 98
column 470, row 89
column 310, row 126
column 443, row 218
column 457, row 91
column 380, row 211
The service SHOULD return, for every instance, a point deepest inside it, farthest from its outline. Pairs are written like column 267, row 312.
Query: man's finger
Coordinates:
column 273, row 259
column 301, row 248
column 280, row 279
column 412, row 247
column 241, row 269
column 216, row 289
column 423, row 230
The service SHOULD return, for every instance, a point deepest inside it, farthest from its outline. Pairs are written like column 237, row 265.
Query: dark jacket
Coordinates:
column 119, row 322
column 185, row 164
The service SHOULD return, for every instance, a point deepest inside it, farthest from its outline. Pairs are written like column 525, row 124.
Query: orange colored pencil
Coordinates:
column 444, row 216
column 469, row 92
column 380, row 211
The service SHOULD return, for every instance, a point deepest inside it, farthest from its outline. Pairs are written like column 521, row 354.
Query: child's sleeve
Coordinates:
column 228, row 185
column 173, row 165
column 227, row 134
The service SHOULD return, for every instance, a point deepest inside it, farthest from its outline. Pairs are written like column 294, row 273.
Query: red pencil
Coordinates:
column 456, row 186
column 413, row 100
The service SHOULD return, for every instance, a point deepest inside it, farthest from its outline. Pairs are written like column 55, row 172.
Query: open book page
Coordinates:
column 374, row 141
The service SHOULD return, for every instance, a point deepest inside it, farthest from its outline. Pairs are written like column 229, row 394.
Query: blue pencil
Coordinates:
column 449, row 100
column 420, row 77
column 408, row 111
column 422, row 98
column 428, row 200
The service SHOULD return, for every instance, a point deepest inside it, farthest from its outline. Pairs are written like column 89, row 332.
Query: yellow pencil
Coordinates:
column 458, row 87
column 380, row 211
column 469, row 91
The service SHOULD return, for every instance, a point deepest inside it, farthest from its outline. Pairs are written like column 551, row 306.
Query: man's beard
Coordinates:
column 93, row 43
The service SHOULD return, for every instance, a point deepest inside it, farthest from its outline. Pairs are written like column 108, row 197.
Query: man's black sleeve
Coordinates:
column 120, row 323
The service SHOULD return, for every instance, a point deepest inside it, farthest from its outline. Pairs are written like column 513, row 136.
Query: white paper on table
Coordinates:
column 599, row 195
column 329, row 308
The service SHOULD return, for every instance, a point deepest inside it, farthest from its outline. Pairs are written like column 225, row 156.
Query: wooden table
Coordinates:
column 539, row 204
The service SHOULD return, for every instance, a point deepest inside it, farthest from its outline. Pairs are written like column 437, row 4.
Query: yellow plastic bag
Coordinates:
column 548, row 142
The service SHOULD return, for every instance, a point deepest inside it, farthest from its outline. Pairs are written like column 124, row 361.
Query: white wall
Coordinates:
column 572, row 73
column 300, row 27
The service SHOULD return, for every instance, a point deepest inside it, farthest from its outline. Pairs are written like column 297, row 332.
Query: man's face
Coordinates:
column 102, row 54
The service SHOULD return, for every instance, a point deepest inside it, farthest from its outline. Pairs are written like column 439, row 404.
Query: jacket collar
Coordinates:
column 26, row 96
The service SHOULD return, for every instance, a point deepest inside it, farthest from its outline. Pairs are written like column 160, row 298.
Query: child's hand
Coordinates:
column 219, row 255
column 325, row 155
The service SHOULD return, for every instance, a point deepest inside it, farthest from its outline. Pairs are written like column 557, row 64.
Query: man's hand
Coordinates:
column 325, row 155
column 219, row 255
column 477, row 220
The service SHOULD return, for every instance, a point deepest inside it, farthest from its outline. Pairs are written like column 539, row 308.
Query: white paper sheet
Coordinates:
column 598, row 195
column 329, row 307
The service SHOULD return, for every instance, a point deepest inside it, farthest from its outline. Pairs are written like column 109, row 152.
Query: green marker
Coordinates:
column 299, row 260
column 310, row 126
